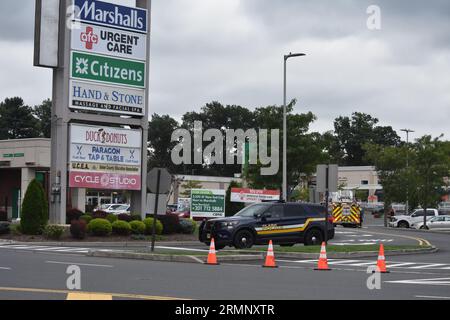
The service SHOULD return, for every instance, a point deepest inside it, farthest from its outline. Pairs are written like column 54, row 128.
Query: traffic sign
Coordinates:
column 327, row 182
column 165, row 182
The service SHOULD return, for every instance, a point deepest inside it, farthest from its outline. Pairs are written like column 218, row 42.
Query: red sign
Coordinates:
column 252, row 195
column 89, row 38
column 107, row 181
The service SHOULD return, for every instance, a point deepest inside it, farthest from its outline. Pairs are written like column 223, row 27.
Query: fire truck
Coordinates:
column 346, row 211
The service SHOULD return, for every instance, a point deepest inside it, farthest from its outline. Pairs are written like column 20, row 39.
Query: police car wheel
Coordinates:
column 244, row 240
column 313, row 237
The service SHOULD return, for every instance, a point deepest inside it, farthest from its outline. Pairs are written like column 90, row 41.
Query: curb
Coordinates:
column 418, row 231
column 138, row 244
column 344, row 255
column 168, row 258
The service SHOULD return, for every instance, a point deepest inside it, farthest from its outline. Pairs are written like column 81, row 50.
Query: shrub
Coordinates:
column 34, row 215
column 136, row 217
column 124, row 217
column 73, row 214
column 100, row 227
column 100, row 215
column 111, row 218
column 149, row 226
column 171, row 223
column 188, row 226
column 16, row 229
column 137, row 227
column 78, row 229
column 3, row 216
column 53, row 232
column 86, row 218
column 121, row 228
column 4, row 228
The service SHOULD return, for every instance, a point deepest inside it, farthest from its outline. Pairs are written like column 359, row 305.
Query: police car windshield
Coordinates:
column 253, row 210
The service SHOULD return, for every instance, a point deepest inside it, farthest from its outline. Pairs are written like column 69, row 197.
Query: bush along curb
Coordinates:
column 169, row 258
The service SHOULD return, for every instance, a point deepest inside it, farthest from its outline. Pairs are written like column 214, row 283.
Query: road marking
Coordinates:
column 343, row 262
column 5, row 268
column 88, row 296
column 181, row 249
column 80, row 264
column 363, row 264
column 432, row 282
column 422, row 242
column 50, row 249
column 433, row 297
column 66, row 292
column 428, row 266
column 402, row 264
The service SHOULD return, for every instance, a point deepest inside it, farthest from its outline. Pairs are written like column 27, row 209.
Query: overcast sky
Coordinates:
column 231, row 51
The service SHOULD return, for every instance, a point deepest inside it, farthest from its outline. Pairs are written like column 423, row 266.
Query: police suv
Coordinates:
column 283, row 223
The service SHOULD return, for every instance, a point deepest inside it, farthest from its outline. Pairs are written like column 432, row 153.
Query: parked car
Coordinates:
column 436, row 223
column 405, row 221
column 115, row 208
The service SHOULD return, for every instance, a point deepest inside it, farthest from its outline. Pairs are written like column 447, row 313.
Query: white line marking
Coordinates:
column 433, row 297
column 363, row 264
column 73, row 250
column 4, row 268
column 397, row 265
column 80, row 264
column 343, row 262
column 428, row 266
column 182, row 249
column 50, row 249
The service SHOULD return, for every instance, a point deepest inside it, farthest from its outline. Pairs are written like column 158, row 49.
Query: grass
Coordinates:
column 335, row 249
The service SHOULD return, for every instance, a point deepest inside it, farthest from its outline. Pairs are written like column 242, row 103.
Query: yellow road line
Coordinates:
column 422, row 242
column 90, row 294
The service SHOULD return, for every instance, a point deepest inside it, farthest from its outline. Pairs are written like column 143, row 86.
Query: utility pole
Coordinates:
column 408, row 131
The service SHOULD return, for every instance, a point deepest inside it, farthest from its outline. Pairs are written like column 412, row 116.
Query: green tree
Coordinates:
column 43, row 113
column 188, row 186
column 231, row 208
column 17, row 120
column 159, row 142
column 346, row 143
column 34, row 213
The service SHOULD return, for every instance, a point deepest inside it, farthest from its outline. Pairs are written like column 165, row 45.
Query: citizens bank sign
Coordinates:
column 111, row 15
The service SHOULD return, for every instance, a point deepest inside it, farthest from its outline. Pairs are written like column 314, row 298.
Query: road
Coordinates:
column 31, row 274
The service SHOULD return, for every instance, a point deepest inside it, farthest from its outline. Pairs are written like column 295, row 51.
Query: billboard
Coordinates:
column 110, row 15
column 253, row 196
column 105, row 158
column 112, row 42
column 107, row 99
column 207, row 203
column 86, row 66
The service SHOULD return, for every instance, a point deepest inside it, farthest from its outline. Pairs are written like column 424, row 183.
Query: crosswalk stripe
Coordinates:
column 49, row 249
column 428, row 266
column 363, row 264
column 343, row 262
column 396, row 265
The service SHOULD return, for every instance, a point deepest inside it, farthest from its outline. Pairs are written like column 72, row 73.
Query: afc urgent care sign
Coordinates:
column 94, row 149
column 254, row 196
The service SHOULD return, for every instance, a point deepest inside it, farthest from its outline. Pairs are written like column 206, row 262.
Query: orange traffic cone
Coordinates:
column 212, row 258
column 381, row 263
column 323, row 261
column 270, row 258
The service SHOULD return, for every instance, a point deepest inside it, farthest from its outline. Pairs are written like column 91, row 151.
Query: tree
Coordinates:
column 159, row 142
column 34, row 213
column 17, row 120
column 350, row 135
column 231, row 208
column 431, row 165
column 43, row 113
column 188, row 186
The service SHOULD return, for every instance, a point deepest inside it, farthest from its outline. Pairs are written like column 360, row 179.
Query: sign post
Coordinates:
column 100, row 74
column 327, row 181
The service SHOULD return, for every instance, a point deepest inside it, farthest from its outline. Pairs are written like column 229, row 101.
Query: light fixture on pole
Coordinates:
column 408, row 131
column 285, row 183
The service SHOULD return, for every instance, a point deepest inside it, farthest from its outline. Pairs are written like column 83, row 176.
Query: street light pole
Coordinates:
column 285, row 183
column 408, row 131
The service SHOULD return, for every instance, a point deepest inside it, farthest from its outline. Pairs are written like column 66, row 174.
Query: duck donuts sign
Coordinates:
column 103, row 146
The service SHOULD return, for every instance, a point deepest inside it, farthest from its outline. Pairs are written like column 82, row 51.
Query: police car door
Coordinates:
column 294, row 221
column 268, row 227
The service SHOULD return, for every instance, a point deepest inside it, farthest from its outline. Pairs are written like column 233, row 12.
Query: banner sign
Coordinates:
column 254, row 196
column 107, row 181
column 184, row 204
column 104, row 154
column 107, row 41
column 109, row 168
column 207, row 203
column 110, row 15
column 105, row 136
column 92, row 67
column 103, row 98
